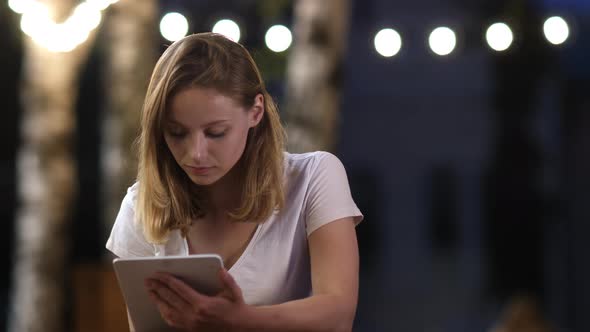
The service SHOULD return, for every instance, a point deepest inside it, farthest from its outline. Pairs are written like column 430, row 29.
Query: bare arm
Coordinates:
column 334, row 265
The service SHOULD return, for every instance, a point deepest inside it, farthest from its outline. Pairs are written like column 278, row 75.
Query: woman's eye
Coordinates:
column 216, row 134
column 176, row 133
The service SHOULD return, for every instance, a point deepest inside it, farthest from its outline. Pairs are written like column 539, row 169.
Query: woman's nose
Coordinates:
column 198, row 147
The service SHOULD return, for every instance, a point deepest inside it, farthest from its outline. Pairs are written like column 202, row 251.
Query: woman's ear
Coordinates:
column 256, row 111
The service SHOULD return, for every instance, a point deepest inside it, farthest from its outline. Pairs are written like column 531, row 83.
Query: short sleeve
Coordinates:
column 126, row 239
column 329, row 197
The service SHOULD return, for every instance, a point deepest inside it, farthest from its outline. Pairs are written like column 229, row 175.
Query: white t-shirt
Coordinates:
column 274, row 267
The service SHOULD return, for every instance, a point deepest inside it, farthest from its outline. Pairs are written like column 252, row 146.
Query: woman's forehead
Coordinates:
column 202, row 105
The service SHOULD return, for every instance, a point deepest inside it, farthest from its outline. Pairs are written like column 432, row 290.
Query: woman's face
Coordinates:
column 207, row 132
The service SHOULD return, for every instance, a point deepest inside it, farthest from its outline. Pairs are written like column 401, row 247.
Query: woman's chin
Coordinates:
column 203, row 181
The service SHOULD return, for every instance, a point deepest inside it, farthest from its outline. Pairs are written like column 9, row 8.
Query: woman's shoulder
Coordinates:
column 131, row 195
column 310, row 161
column 308, row 157
column 133, row 189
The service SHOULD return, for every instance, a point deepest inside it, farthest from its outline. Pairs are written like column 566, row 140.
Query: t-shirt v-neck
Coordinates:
column 235, row 265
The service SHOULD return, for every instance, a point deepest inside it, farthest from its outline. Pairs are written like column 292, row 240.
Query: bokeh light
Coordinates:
column 556, row 30
column 228, row 28
column 37, row 23
column 173, row 26
column 20, row 6
column 499, row 36
column 388, row 42
column 278, row 38
column 101, row 4
column 442, row 41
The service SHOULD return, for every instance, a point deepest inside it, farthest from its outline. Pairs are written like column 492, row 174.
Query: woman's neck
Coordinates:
column 225, row 194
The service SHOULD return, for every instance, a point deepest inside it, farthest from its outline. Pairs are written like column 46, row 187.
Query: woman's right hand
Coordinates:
column 185, row 309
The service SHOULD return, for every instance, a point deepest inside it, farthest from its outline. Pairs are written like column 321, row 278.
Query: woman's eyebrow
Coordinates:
column 208, row 124
column 173, row 122
column 216, row 122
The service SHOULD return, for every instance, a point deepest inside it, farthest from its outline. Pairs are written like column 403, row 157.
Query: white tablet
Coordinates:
column 199, row 271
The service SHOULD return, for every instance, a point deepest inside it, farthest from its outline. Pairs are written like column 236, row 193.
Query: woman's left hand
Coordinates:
column 184, row 308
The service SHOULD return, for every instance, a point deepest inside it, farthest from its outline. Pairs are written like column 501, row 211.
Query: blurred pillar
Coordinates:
column 515, row 205
column 46, row 173
column 314, row 74
column 576, row 198
column 130, row 47
column 443, row 210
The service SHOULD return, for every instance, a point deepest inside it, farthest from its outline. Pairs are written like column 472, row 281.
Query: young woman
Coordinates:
column 213, row 178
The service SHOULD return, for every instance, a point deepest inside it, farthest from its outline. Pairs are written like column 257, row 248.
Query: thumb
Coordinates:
column 231, row 287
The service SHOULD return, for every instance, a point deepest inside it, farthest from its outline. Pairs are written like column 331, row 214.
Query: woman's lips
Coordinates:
column 198, row 170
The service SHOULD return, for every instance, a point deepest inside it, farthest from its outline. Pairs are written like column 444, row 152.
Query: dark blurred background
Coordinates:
column 472, row 169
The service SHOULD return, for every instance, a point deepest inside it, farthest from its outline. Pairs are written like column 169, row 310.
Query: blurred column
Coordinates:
column 47, row 187
column 11, row 59
column 314, row 74
column 576, row 198
column 130, row 47
column 515, row 206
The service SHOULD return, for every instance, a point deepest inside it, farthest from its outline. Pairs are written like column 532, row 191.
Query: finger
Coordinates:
column 158, row 300
column 231, row 285
column 169, row 315
column 167, row 312
column 153, row 296
column 186, row 292
column 166, row 294
column 162, row 305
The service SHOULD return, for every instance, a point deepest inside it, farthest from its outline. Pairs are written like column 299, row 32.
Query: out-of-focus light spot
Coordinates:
column 442, row 41
column 556, row 30
column 59, row 37
column 278, row 38
column 173, row 26
column 62, row 38
column 85, row 17
column 499, row 36
column 35, row 19
column 20, row 6
column 228, row 28
column 101, row 4
column 388, row 42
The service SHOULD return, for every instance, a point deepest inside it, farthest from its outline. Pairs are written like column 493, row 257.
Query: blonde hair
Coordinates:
column 167, row 198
